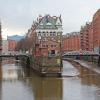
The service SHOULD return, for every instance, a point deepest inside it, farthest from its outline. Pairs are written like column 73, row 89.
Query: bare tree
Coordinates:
column 24, row 44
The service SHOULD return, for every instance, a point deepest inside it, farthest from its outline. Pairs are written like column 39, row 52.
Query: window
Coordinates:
column 43, row 31
column 43, row 45
column 52, row 51
column 51, row 45
column 54, row 45
column 44, row 34
column 47, row 34
column 58, row 33
column 50, row 34
column 53, row 34
column 39, row 34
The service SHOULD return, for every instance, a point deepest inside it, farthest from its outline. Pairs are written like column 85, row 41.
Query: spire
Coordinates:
column 58, row 21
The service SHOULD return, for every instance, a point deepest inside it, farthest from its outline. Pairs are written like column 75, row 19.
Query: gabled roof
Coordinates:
column 48, row 22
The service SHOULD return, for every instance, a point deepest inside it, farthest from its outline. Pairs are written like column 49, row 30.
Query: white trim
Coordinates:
column 45, row 30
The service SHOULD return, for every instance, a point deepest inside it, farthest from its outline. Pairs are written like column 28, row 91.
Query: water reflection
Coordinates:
column 11, row 71
column 20, row 83
column 47, row 88
column 27, row 85
column 89, row 77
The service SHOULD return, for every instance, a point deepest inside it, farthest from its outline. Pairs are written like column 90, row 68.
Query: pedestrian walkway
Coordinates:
column 89, row 66
column 69, row 69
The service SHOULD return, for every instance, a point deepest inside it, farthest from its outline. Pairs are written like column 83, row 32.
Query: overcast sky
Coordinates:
column 17, row 15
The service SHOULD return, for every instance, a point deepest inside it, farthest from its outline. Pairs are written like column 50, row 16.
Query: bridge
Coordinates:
column 19, row 56
column 15, row 55
column 83, row 55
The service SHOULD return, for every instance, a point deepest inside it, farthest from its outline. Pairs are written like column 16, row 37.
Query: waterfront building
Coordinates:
column 71, row 42
column 96, row 31
column 12, row 42
column 46, row 36
column 47, row 33
column 86, row 37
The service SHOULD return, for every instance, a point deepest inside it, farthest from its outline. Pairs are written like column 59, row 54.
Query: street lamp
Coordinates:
column 59, row 41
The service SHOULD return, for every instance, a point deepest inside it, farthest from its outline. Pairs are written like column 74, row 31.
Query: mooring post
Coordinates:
column 99, row 61
column 28, row 62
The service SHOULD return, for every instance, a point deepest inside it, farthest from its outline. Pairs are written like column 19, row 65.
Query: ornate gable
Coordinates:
column 47, row 22
column 58, row 22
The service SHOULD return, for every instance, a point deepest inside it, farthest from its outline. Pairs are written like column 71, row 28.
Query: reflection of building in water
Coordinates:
column 10, row 74
column 46, row 88
column 10, row 71
column 89, row 77
column 8, row 61
column 52, row 88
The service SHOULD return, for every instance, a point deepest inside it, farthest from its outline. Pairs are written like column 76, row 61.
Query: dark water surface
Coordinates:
column 20, row 83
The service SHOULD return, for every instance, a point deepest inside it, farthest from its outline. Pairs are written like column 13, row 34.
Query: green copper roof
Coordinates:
column 48, row 22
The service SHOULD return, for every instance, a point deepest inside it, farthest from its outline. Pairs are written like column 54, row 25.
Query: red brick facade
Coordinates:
column 11, row 45
column 89, row 39
column 86, row 37
column 90, row 34
column 96, row 30
column 47, row 33
column 71, row 42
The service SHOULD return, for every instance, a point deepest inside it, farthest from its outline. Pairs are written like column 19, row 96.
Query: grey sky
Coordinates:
column 17, row 15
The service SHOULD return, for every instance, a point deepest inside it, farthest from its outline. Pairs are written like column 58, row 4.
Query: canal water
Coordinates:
column 18, row 82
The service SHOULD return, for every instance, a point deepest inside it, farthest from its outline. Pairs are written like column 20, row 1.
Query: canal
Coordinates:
column 18, row 82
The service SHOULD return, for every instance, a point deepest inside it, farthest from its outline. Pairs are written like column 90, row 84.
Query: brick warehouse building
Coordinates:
column 12, row 42
column 96, row 31
column 11, row 45
column 46, row 37
column 71, row 42
column 86, row 37
column 47, row 33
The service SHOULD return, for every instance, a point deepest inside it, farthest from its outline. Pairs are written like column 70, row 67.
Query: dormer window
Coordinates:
column 58, row 33
column 49, row 24
column 41, row 24
column 47, row 34
column 54, row 32
column 43, row 32
column 39, row 34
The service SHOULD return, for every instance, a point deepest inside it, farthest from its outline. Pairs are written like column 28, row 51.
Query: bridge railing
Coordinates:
column 93, row 57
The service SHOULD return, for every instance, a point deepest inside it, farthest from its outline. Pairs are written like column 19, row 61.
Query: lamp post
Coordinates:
column 59, row 41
